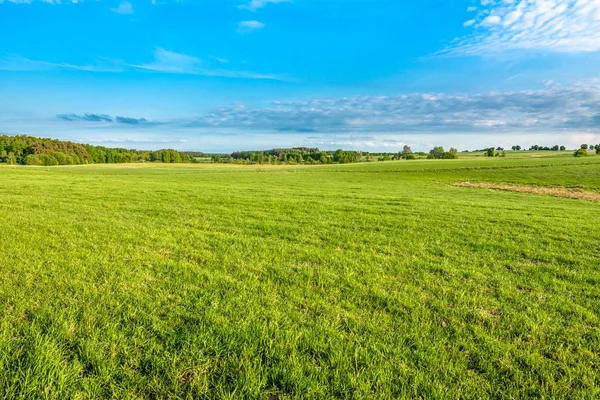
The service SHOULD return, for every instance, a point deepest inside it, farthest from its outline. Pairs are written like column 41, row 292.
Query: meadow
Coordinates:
column 380, row 280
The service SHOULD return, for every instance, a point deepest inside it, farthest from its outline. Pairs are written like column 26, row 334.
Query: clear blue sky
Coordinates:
column 224, row 75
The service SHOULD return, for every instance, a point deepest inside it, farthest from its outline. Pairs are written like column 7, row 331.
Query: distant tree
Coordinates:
column 491, row 152
column 451, row 154
column 406, row 152
column 562, row 148
column 499, row 148
column 584, row 147
column 436, row 153
column 581, row 153
column 555, row 148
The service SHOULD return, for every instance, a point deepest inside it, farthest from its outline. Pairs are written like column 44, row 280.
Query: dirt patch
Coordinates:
column 548, row 191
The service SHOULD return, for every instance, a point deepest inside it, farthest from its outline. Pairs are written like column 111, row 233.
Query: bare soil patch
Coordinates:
column 549, row 191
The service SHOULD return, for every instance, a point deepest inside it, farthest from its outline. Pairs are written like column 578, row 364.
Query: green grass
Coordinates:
column 379, row 280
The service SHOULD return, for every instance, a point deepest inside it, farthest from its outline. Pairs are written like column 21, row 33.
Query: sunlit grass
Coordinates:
column 380, row 280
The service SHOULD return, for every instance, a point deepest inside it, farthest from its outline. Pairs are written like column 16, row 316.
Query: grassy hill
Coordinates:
column 372, row 280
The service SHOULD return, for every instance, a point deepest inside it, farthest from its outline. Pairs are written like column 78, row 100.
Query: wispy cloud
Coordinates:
column 124, row 8
column 219, row 59
column 249, row 26
column 170, row 62
column 89, row 117
column 85, row 117
column 257, row 4
column 550, row 25
column 164, row 61
column 129, row 120
column 18, row 63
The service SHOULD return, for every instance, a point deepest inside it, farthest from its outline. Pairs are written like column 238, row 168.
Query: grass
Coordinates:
column 380, row 280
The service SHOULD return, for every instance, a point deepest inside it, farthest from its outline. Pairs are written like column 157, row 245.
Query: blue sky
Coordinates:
column 251, row 74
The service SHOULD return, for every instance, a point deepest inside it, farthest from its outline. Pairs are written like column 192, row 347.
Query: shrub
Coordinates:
column 48, row 160
column 33, row 159
column 581, row 153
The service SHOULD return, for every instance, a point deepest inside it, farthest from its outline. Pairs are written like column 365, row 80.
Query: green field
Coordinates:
column 373, row 280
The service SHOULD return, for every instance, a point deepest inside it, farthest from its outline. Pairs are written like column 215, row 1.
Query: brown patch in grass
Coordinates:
column 548, row 191
column 492, row 312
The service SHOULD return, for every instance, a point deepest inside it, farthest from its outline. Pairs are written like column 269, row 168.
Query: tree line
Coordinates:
column 307, row 155
column 28, row 150
column 582, row 151
column 295, row 155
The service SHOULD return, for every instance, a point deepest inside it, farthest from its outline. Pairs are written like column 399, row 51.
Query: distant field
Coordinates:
column 374, row 280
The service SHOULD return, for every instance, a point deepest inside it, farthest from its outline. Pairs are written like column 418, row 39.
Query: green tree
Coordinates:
column 338, row 156
column 436, row 153
column 451, row 154
column 406, row 152
column 33, row 159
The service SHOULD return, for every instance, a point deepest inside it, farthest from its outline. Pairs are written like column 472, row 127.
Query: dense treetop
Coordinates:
column 29, row 150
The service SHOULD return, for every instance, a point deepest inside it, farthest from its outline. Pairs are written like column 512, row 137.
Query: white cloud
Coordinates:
column 176, row 63
column 491, row 20
column 164, row 61
column 219, row 59
column 171, row 62
column 549, row 25
column 248, row 26
column 18, row 63
column 124, row 8
column 257, row 4
column 564, row 115
column 553, row 108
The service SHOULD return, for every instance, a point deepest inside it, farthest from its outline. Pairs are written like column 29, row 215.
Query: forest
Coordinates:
column 28, row 150
column 308, row 155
